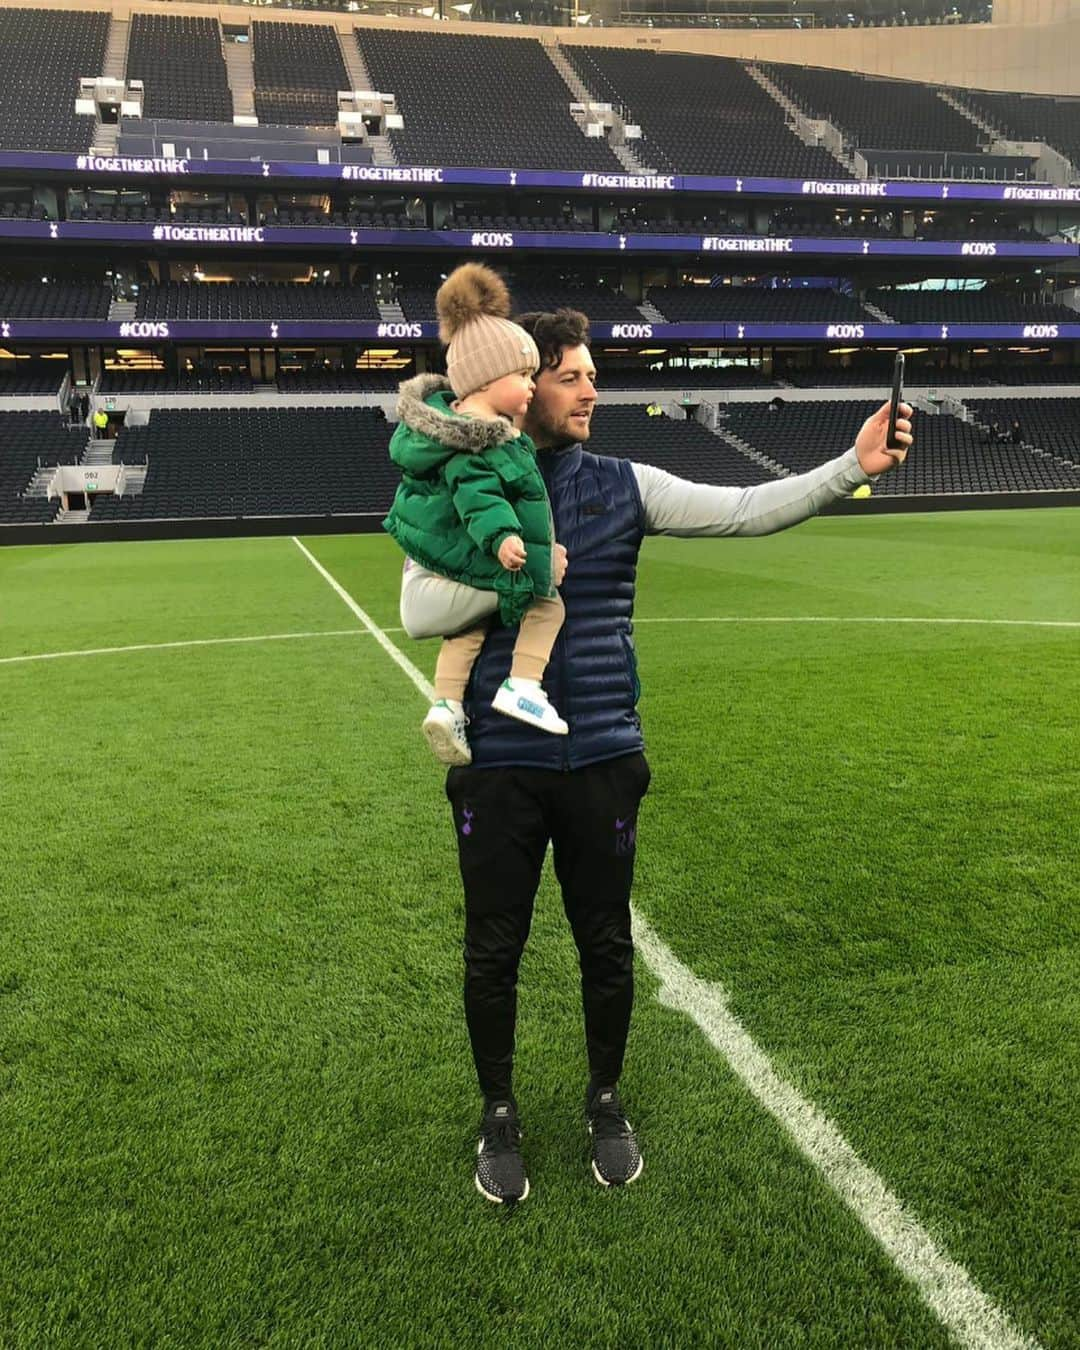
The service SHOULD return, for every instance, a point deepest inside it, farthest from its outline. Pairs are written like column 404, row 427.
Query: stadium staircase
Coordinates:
column 114, row 66
column 97, row 453
column 382, row 152
column 972, row 418
column 811, row 131
column 121, row 311
column 878, row 314
column 620, row 147
column 990, row 132
column 105, row 137
column 240, row 70
column 747, row 451
column 38, row 486
column 66, row 516
column 650, row 313
column 390, row 313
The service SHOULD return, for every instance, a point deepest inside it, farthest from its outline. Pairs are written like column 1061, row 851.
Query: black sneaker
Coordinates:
column 500, row 1172
column 616, row 1158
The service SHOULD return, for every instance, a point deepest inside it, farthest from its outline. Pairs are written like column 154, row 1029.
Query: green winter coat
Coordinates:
column 466, row 484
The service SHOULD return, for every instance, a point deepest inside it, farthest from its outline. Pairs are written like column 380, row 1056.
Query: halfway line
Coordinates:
column 946, row 1287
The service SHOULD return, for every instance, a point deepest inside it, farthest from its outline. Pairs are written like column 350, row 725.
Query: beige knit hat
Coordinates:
column 482, row 344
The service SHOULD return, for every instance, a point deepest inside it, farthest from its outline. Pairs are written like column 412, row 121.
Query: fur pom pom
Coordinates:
column 469, row 292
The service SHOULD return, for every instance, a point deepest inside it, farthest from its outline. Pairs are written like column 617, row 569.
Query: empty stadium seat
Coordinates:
column 479, row 100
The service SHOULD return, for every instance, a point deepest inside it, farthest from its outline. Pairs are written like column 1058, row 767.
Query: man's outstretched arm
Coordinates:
column 678, row 507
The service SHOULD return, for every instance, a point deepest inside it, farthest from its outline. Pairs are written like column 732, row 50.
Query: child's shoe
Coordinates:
column 444, row 727
column 525, row 700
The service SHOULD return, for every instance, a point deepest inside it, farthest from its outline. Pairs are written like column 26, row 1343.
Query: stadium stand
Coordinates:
column 683, row 448
column 1033, row 373
column 992, row 305
column 953, row 456
column 255, row 462
column 700, row 114
column 43, row 54
column 298, row 72
column 33, row 383
column 180, row 62
column 1050, row 424
column 717, row 304
column 184, row 382
column 22, row 211
column 27, row 440
column 876, row 113
column 479, row 100
column 148, row 213
column 56, row 300
column 418, row 301
column 324, row 380
column 681, row 377
column 1029, row 117
column 223, row 300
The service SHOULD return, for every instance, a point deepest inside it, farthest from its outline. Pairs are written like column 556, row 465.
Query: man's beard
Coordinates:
column 549, row 436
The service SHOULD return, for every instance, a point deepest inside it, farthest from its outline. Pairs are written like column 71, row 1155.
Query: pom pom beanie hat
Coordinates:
column 482, row 345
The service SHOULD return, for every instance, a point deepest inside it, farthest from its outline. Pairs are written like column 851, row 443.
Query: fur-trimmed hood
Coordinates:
column 424, row 407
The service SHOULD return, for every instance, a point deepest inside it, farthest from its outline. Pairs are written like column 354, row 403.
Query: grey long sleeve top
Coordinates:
column 433, row 606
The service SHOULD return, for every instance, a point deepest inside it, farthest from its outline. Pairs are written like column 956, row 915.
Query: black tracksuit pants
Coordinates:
column 503, row 820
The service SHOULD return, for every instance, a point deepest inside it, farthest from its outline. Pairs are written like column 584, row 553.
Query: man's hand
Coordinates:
column 558, row 562
column 870, row 442
column 512, row 553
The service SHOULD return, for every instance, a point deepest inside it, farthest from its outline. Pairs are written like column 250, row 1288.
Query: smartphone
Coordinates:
column 891, row 443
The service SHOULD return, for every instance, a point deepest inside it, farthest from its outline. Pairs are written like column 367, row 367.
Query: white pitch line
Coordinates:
column 169, row 646
column 379, row 634
column 949, row 1291
column 825, row 618
column 974, row 1320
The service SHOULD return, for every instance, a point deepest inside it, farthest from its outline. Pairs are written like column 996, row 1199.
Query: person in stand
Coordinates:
column 580, row 792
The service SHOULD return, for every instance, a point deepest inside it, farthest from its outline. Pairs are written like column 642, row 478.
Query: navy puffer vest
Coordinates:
column 592, row 676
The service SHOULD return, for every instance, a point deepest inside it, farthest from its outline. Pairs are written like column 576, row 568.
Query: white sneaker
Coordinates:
column 444, row 727
column 525, row 700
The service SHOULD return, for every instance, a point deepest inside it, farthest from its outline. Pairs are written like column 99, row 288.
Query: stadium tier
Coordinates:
column 712, row 304
column 54, row 300
column 238, row 301
column 28, row 440
column 1028, row 117
column 683, row 448
column 255, row 462
column 478, row 100
column 43, row 54
column 180, row 62
column 986, row 306
column 18, row 384
column 1051, row 424
column 878, row 114
column 700, row 114
column 952, row 457
column 298, row 73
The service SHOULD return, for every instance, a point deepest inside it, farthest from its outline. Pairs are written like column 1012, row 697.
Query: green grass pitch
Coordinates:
column 236, row 1102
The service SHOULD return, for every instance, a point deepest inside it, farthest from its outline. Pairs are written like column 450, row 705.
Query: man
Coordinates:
column 580, row 792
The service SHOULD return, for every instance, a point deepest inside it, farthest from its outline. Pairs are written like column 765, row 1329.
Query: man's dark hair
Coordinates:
column 553, row 333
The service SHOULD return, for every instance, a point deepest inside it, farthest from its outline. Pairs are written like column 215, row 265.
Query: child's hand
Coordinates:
column 512, row 553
